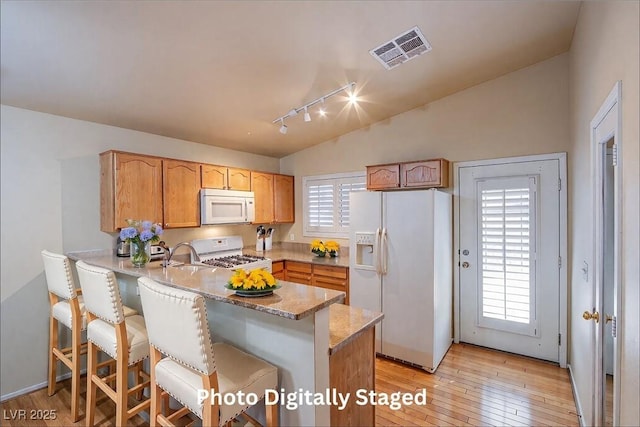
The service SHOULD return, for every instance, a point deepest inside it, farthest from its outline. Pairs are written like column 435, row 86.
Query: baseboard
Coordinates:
column 576, row 398
column 35, row 387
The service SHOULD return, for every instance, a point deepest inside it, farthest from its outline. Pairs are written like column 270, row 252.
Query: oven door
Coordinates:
column 219, row 209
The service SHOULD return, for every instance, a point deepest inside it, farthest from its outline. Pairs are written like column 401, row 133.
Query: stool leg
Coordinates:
column 272, row 415
column 75, row 374
column 138, row 379
column 122, row 375
column 156, row 392
column 92, row 369
column 53, row 361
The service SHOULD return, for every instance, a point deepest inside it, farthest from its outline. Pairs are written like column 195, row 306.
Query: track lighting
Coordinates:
column 350, row 88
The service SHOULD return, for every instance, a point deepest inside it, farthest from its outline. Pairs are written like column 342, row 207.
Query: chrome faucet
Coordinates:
column 194, row 255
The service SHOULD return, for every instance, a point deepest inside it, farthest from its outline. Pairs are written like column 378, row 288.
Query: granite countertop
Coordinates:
column 292, row 300
column 347, row 323
column 299, row 252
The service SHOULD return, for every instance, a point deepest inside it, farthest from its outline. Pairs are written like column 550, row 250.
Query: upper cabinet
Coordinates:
column 181, row 186
column 420, row 174
column 283, row 199
column 131, row 188
column 225, row 178
column 274, row 197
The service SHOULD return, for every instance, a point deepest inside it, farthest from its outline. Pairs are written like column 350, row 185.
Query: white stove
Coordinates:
column 226, row 252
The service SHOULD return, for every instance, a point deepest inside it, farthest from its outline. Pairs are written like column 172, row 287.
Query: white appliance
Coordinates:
column 226, row 206
column 400, row 261
column 226, row 252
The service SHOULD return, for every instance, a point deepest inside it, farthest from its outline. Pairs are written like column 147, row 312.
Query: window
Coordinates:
column 326, row 203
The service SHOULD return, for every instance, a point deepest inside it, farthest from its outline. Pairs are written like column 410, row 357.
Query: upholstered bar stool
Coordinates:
column 195, row 363
column 67, row 307
column 122, row 338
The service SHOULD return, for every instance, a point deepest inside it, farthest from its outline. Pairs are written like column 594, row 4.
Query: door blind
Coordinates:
column 507, row 248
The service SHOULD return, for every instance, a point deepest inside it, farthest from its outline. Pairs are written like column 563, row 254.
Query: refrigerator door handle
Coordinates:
column 383, row 252
column 376, row 250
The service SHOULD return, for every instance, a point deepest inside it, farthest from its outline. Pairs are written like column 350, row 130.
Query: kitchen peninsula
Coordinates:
column 303, row 330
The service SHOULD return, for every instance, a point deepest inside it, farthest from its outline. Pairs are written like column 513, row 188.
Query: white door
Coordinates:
column 509, row 273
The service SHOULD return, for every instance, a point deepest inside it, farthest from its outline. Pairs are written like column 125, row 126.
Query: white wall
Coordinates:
column 605, row 49
column 50, row 179
column 521, row 113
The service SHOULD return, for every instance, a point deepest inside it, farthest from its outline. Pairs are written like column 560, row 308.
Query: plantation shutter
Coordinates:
column 506, row 214
column 326, row 203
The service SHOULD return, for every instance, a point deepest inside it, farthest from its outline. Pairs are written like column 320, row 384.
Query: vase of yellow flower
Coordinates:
column 258, row 282
column 320, row 248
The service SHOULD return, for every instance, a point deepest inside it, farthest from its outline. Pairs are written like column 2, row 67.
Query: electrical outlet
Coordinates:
column 292, row 236
column 585, row 271
column 137, row 291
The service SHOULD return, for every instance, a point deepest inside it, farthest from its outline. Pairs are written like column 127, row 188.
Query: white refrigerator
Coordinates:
column 400, row 263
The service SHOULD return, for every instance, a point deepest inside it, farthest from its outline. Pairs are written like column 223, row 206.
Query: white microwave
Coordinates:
column 226, row 206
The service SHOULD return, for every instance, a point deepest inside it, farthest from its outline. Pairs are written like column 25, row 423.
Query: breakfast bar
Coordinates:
column 300, row 329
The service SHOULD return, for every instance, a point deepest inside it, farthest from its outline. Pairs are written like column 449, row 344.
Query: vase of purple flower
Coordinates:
column 140, row 234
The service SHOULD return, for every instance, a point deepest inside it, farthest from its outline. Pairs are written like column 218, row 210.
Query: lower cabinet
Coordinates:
column 322, row 276
column 277, row 269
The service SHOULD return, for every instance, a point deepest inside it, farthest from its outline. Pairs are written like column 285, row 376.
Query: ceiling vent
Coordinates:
column 401, row 49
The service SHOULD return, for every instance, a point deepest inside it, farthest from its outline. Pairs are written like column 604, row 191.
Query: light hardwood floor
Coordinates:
column 472, row 386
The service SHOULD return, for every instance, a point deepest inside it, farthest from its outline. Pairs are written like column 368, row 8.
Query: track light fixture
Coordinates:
column 307, row 117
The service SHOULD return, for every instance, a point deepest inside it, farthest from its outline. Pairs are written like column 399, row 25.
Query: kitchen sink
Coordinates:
column 192, row 268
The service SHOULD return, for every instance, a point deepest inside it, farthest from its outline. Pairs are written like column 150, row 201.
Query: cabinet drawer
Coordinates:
column 277, row 267
column 294, row 276
column 330, row 271
column 299, row 267
column 328, row 282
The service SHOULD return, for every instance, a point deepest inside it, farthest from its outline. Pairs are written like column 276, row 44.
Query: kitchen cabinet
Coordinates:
column 322, row 276
column 283, row 199
column 277, row 269
column 382, row 177
column 181, row 187
column 274, row 197
column 432, row 173
column 225, row 178
column 425, row 174
column 298, row 272
column 130, row 188
column 262, row 187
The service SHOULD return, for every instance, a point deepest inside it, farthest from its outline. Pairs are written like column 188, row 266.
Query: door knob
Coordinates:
column 591, row 316
column 465, row 264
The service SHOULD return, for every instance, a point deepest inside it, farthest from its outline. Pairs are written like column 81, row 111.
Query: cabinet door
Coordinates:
column 298, row 272
column 425, row 174
column 239, row 179
column 283, row 199
column 130, row 188
column 262, row 186
column 277, row 269
column 181, row 182
column 381, row 177
column 212, row 176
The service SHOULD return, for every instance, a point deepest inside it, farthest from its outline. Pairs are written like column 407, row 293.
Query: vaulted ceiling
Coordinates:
column 220, row 72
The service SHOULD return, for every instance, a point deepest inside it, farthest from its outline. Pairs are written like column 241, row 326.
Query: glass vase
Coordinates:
column 140, row 253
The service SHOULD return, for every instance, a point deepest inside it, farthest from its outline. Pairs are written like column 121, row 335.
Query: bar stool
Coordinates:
column 122, row 338
column 67, row 307
column 195, row 363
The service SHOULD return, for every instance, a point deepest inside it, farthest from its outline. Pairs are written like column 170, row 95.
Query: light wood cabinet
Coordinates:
column 130, row 188
column 274, row 197
column 383, row 177
column 277, row 269
column 225, row 178
column 322, row 276
column 262, row 187
column 181, row 186
column 283, row 199
column 298, row 272
column 425, row 174
column 432, row 173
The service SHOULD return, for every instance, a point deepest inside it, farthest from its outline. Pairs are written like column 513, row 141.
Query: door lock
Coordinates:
column 465, row 264
column 591, row 316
